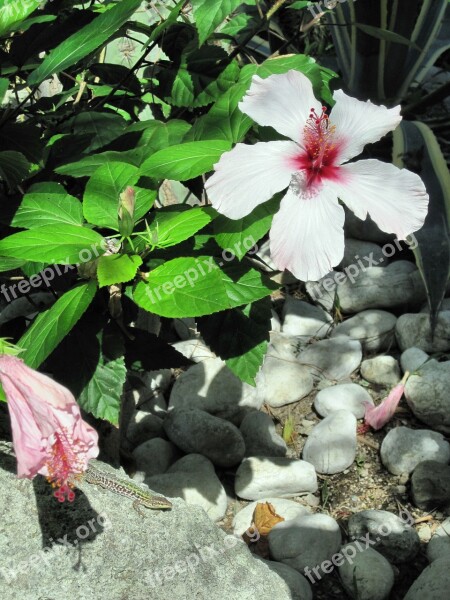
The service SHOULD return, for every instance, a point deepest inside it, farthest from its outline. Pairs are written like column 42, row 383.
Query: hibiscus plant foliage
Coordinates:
column 113, row 116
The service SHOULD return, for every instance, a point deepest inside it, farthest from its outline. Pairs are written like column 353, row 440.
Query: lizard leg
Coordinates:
column 136, row 505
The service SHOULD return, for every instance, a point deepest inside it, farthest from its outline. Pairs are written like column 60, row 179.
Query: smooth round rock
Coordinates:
column 381, row 370
column 361, row 250
column 259, row 477
column 298, row 585
column 334, row 359
column 433, row 583
column 439, row 545
column 366, row 574
column 426, row 392
column 305, row 542
column 306, row 320
column 430, row 486
column 194, row 349
column 194, row 479
column 260, row 436
column 283, row 382
column 288, row 509
column 331, row 446
column 392, row 536
column 403, row 449
column 414, row 330
column 212, row 387
column 153, row 457
column 197, row 432
column 144, row 426
column 397, row 285
column 412, row 359
column 375, row 329
column 346, row 396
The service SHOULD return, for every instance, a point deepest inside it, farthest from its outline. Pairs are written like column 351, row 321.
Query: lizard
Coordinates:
column 125, row 488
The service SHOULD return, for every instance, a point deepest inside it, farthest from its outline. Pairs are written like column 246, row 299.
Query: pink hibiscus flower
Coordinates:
column 49, row 435
column 307, row 234
column 377, row 416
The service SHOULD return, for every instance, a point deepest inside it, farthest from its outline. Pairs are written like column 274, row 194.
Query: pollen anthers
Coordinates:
column 319, row 134
column 63, row 465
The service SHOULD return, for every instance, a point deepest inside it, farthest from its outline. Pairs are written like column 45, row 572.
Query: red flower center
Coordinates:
column 63, row 465
column 319, row 156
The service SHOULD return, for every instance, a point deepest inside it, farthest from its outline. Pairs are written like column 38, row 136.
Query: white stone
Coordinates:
column 212, row 387
column 359, row 250
column 381, row 370
column 284, row 382
column 403, row 449
column 375, row 329
column 260, row 436
column 196, row 431
column 414, row 330
column 347, row 396
column 299, row 587
column 305, row 541
column 433, row 583
column 259, row 477
column 194, row 349
column 398, row 284
column 331, row 446
column 186, row 328
column 427, row 394
column 439, row 545
column 193, row 478
column 334, row 359
column 412, row 359
column 368, row 576
column 153, row 458
column 393, row 536
column 306, row 320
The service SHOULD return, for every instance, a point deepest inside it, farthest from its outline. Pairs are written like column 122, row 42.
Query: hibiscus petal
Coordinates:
column 396, row 199
column 359, row 123
column 307, row 235
column 249, row 175
column 282, row 101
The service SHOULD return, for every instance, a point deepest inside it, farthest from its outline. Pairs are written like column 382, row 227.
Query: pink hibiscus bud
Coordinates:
column 378, row 416
column 126, row 211
column 49, row 435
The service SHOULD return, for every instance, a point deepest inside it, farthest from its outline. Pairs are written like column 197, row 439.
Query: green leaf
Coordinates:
column 209, row 14
column 224, row 121
column 4, row 84
column 117, row 268
column 299, row 5
column 101, row 196
column 200, row 79
column 87, row 166
column 14, row 167
column 190, row 287
column 39, row 209
column 57, row 244
column 8, row 264
column 386, row 35
column 51, row 326
column 184, row 161
column 415, row 141
column 12, row 12
column 240, row 337
column 169, row 227
column 84, row 41
column 101, row 396
column 240, row 235
column 237, row 24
